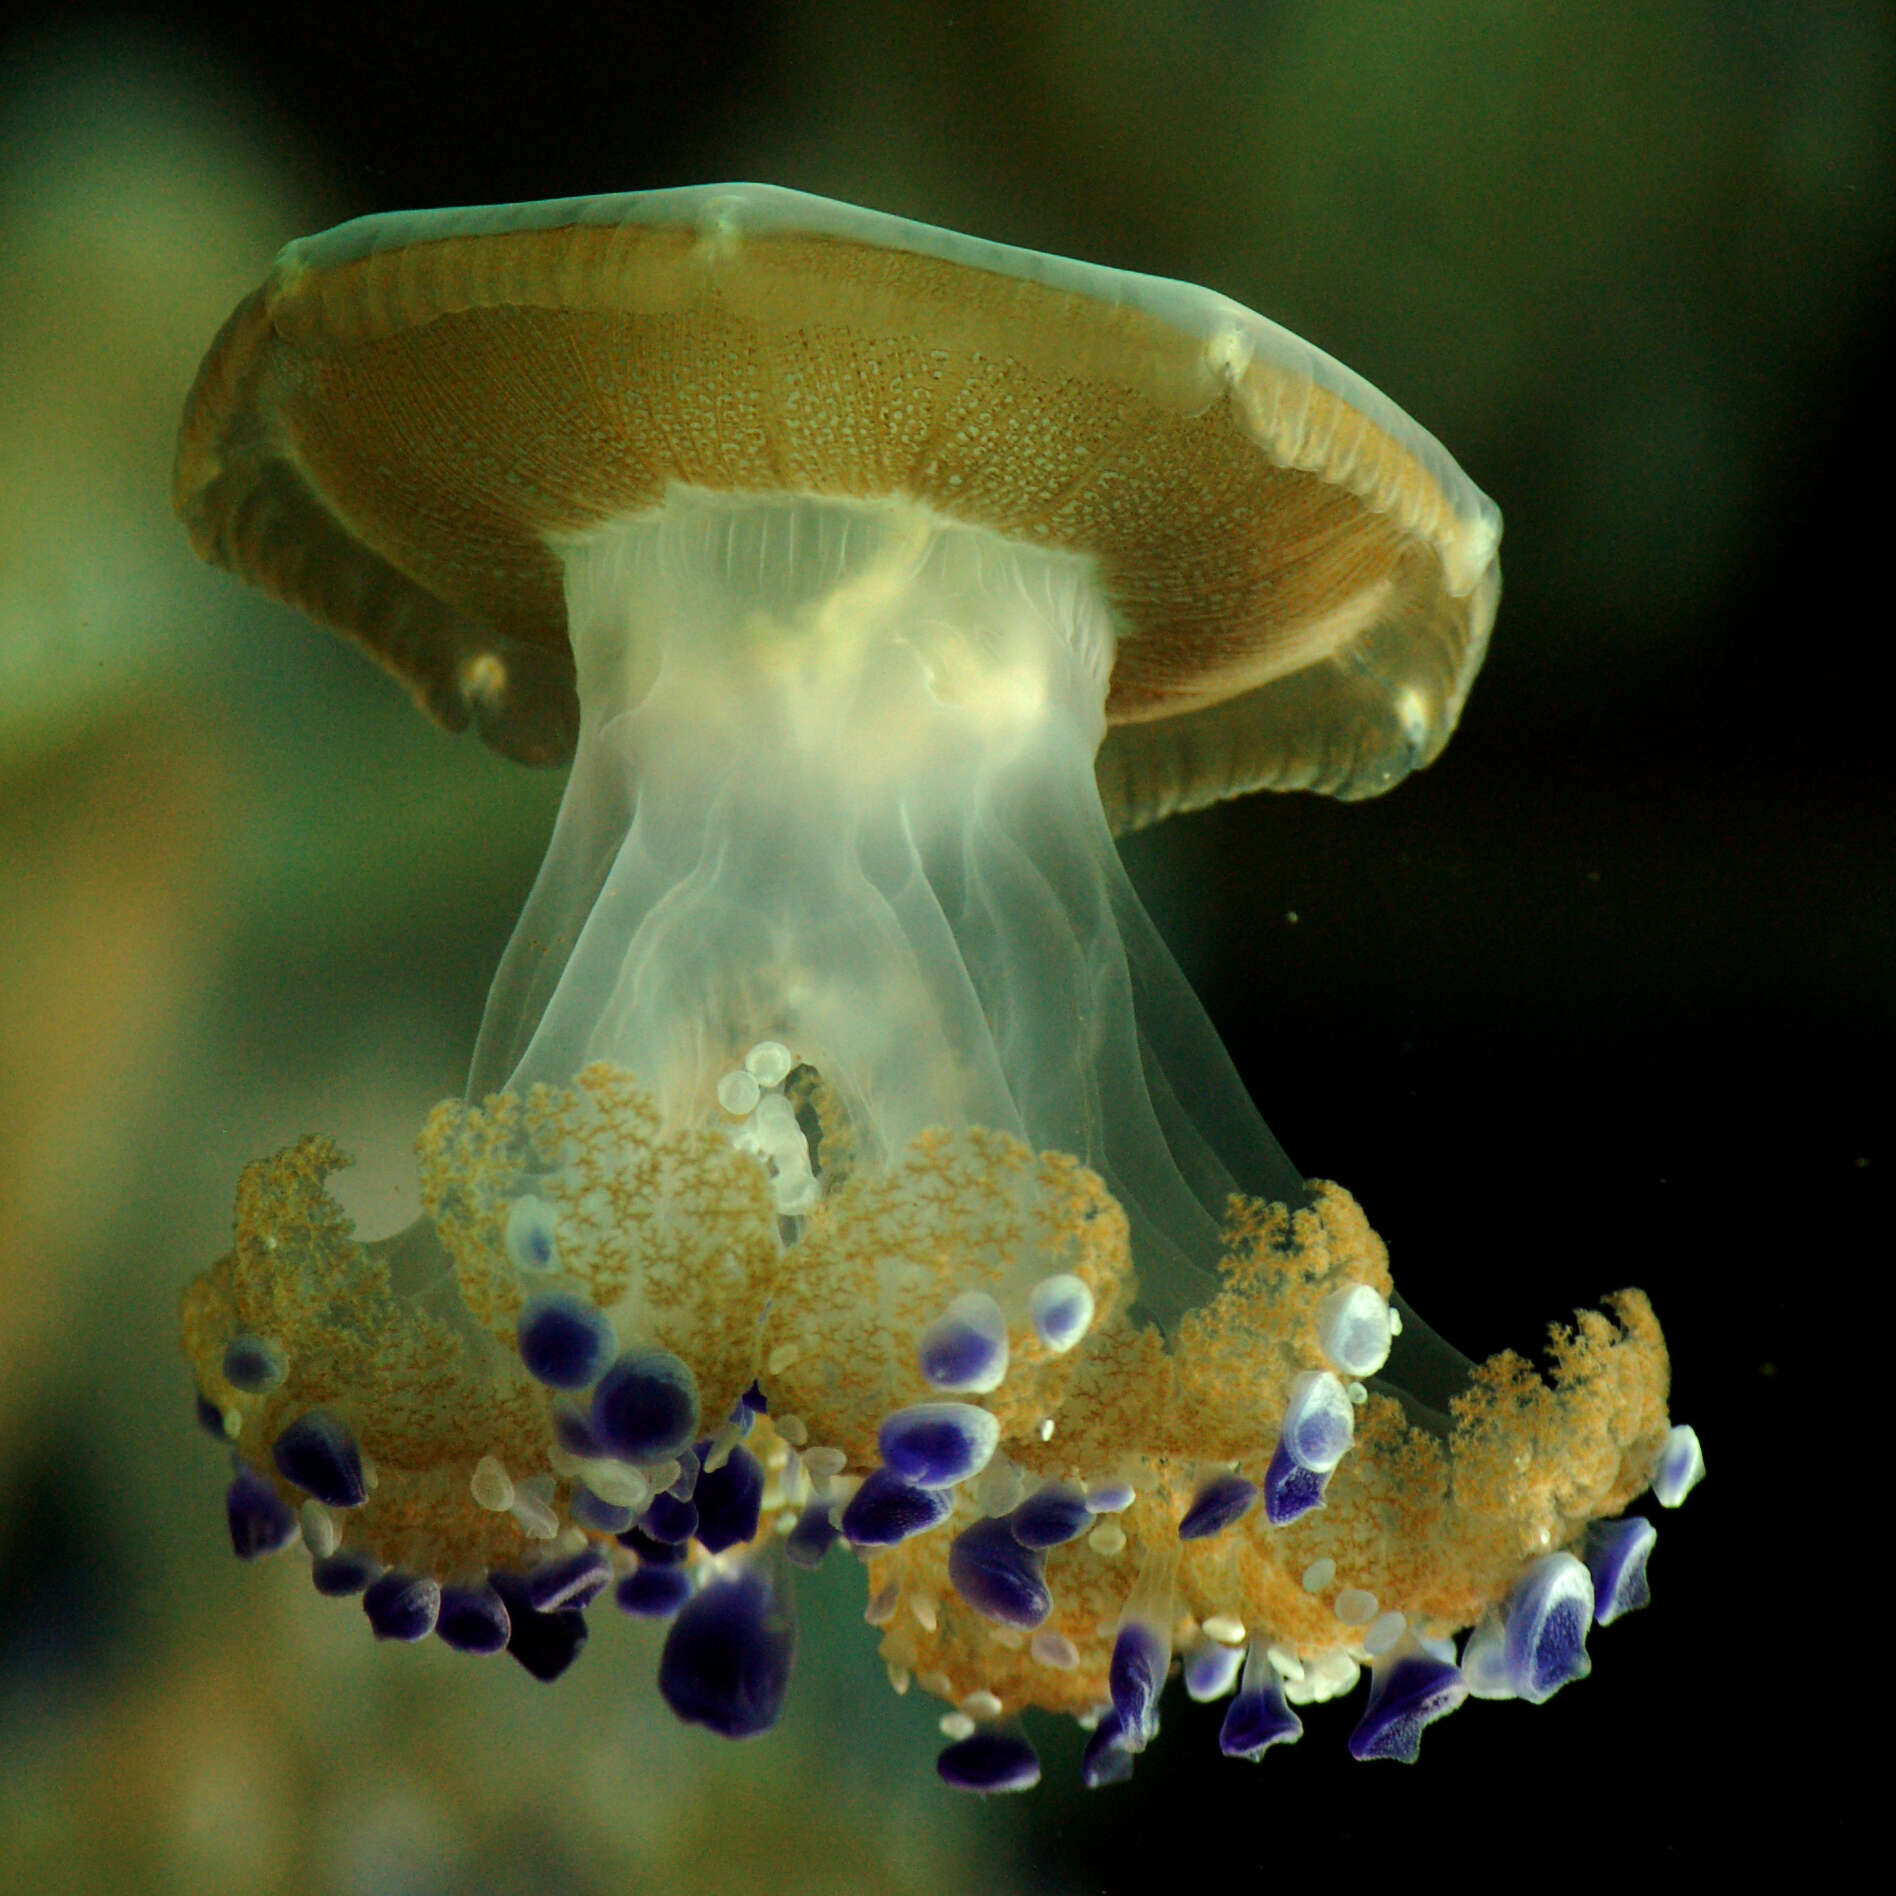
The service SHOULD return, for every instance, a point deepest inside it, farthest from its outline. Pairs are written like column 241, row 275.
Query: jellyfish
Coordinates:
column 846, row 1171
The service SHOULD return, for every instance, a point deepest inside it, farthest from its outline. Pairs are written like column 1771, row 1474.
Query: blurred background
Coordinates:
column 1603, row 997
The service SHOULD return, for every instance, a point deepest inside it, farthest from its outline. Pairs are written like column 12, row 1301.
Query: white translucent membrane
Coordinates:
column 834, row 788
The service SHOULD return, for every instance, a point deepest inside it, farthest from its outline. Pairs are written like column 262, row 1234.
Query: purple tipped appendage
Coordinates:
column 1537, row 1640
column 729, row 1500
column 1319, row 1424
column 260, row 1520
column 402, row 1606
column 669, row 1519
column 1223, row 1501
column 344, row 1573
column 1052, row 1517
column 1061, row 1309
column 1616, row 1553
column 645, row 1407
column 1406, row 1695
column 1679, row 1466
column 1259, row 1716
column 565, row 1342
column 544, row 1644
column 1290, row 1491
column 473, row 1620
column 1002, row 1580
column 936, row 1444
column 967, row 1348
column 319, row 1454
column 253, row 1364
column 1106, row 1759
column 726, row 1663
column 887, row 1510
column 1136, row 1678
column 989, row 1761
column 652, row 1592
column 1210, row 1669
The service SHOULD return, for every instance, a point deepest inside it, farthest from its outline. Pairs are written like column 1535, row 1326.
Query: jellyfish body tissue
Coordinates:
column 847, row 1162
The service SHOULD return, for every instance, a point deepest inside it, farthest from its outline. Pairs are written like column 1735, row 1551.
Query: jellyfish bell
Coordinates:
column 835, row 1093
